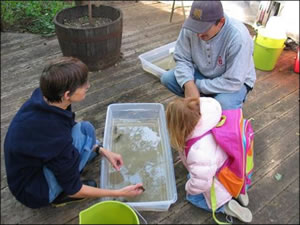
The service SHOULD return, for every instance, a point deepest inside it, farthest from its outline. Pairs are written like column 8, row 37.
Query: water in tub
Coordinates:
column 166, row 63
column 139, row 143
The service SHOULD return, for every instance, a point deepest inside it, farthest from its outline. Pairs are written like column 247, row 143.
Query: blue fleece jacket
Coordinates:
column 40, row 135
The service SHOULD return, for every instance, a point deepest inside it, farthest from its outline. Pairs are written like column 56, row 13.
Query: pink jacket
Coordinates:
column 205, row 157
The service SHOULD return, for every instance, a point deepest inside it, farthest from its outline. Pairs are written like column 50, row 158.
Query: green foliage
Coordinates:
column 31, row 16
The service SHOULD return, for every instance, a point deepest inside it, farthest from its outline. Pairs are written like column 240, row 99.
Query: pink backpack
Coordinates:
column 236, row 137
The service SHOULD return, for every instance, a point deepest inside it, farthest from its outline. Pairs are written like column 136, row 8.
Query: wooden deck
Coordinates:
column 274, row 105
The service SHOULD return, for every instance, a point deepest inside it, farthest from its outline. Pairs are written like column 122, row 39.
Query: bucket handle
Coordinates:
column 137, row 212
column 255, row 35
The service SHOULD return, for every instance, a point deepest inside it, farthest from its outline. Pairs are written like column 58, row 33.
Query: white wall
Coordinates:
column 246, row 11
column 290, row 16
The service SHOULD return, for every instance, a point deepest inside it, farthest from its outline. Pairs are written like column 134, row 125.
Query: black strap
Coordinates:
column 97, row 149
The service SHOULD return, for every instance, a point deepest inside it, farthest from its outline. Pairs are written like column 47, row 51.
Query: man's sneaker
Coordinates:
column 234, row 209
column 243, row 199
column 63, row 199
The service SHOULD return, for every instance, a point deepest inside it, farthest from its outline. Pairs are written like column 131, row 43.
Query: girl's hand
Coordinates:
column 114, row 158
column 132, row 190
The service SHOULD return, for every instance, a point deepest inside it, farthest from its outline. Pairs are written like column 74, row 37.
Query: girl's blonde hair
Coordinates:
column 182, row 116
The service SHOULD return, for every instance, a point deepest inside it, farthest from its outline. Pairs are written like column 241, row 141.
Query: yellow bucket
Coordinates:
column 269, row 42
column 109, row 212
column 267, row 52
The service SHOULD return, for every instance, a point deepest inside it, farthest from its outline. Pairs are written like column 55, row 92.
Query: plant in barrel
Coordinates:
column 91, row 33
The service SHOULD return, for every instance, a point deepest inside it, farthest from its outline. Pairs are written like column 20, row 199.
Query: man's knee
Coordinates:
column 163, row 79
column 167, row 77
column 228, row 103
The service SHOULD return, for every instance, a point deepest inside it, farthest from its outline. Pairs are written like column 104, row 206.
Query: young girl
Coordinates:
column 192, row 117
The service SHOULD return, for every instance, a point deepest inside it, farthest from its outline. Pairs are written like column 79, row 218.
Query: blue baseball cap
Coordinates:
column 203, row 15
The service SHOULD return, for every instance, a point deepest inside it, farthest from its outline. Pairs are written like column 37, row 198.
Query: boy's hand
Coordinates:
column 132, row 190
column 114, row 158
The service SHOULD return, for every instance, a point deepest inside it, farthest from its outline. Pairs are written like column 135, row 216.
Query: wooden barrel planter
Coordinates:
column 98, row 47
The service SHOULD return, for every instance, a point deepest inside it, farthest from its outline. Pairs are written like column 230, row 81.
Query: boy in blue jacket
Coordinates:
column 45, row 149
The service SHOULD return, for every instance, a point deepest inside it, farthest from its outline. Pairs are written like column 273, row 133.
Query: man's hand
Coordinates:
column 190, row 89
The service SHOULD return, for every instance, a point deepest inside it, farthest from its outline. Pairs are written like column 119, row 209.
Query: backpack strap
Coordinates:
column 214, row 202
column 192, row 141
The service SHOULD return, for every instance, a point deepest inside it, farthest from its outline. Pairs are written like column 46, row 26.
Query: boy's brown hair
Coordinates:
column 182, row 115
column 61, row 75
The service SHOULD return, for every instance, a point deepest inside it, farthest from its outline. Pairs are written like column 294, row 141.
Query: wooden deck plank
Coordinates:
column 270, row 97
column 294, row 219
column 279, row 210
column 275, row 111
column 263, row 191
column 271, row 150
column 171, row 33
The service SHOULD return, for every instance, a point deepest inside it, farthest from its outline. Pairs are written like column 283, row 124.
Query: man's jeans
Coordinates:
column 84, row 138
column 227, row 100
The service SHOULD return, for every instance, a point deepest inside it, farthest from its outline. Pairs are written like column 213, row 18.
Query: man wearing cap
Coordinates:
column 213, row 56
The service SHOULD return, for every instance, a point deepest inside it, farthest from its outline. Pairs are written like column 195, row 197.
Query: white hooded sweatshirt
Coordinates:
column 205, row 157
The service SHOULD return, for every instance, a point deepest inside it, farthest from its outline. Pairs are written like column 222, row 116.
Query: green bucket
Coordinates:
column 109, row 212
column 269, row 42
column 265, row 58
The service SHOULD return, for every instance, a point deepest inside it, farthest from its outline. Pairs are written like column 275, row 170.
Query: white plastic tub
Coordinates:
column 154, row 164
column 149, row 57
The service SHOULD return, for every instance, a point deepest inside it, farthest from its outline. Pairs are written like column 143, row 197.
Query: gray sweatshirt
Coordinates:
column 225, row 60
